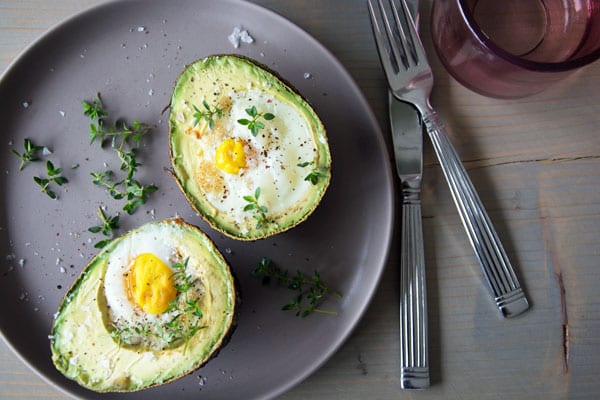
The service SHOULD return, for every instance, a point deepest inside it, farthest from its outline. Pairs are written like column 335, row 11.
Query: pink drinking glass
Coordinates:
column 515, row 48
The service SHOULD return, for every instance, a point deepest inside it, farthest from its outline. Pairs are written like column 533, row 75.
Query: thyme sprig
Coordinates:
column 109, row 225
column 128, row 188
column 260, row 211
column 185, row 310
column 94, row 109
column 315, row 174
column 184, row 283
column 312, row 290
column 188, row 313
column 120, row 133
column 54, row 176
column 207, row 115
column 30, row 153
column 124, row 139
column 254, row 125
column 105, row 179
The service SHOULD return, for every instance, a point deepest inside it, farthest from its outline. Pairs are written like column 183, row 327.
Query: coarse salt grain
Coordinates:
column 238, row 36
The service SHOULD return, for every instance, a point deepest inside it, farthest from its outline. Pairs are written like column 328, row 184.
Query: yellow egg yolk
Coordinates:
column 149, row 284
column 230, row 156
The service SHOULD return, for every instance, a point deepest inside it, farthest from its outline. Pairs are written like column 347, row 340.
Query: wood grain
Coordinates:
column 536, row 164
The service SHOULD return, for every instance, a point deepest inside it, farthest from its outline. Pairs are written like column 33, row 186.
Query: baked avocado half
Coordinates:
column 152, row 306
column 249, row 153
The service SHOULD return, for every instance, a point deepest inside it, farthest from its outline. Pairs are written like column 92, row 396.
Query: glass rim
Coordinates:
column 488, row 43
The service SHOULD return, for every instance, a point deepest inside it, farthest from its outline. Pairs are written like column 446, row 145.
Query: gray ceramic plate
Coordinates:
column 131, row 52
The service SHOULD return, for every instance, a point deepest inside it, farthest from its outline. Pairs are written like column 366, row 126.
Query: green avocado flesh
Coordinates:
column 107, row 344
column 249, row 153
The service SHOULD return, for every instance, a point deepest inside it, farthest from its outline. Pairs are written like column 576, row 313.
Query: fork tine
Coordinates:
column 415, row 40
column 397, row 40
column 400, row 58
column 381, row 40
column 407, row 46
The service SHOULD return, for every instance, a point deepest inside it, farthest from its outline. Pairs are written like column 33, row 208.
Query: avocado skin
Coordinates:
column 63, row 358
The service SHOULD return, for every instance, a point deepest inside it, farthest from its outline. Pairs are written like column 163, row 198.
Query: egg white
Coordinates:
column 272, row 156
column 119, row 263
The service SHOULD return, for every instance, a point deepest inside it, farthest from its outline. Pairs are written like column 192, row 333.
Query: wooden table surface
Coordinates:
column 536, row 164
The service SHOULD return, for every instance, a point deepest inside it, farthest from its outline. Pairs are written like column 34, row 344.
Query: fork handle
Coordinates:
column 498, row 271
column 413, row 296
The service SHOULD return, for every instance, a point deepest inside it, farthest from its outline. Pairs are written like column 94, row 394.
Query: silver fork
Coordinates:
column 410, row 79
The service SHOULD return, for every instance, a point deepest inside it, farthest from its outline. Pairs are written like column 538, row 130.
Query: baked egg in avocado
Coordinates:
column 249, row 153
column 152, row 306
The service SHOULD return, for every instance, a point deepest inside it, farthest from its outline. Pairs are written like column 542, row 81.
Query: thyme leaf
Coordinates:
column 29, row 153
column 254, row 125
column 94, row 109
column 109, row 225
column 54, row 176
column 315, row 174
column 207, row 115
column 260, row 211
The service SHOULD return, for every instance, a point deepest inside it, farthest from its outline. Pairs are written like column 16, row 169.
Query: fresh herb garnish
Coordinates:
column 186, row 304
column 109, row 224
column 137, row 194
column 184, row 283
column 260, row 211
column 315, row 174
column 128, row 188
column 120, row 133
column 104, row 179
column 208, row 115
column 29, row 153
column 311, row 289
column 254, row 125
column 127, row 335
column 94, row 109
column 124, row 139
column 185, row 311
column 54, row 176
